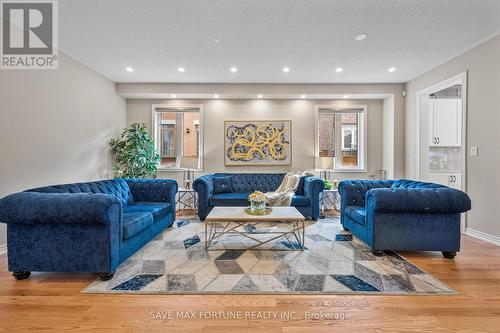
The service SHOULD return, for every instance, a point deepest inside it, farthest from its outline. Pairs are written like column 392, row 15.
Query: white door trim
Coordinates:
column 460, row 78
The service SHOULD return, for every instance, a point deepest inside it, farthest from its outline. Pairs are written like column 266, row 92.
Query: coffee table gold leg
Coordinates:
column 303, row 234
column 206, row 236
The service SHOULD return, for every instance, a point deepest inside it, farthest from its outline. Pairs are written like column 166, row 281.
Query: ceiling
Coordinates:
column 260, row 37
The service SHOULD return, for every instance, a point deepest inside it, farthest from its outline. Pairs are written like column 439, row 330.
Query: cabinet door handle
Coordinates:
column 434, row 140
column 454, row 179
column 450, row 179
column 437, row 140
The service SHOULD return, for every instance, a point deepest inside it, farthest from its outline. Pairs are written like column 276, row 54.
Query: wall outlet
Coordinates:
column 474, row 151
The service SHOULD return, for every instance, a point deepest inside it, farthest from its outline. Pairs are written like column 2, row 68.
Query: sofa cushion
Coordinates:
column 158, row 209
column 222, row 184
column 300, row 187
column 229, row 199
column 357, row 213
column 135, row 222
column 301, row 201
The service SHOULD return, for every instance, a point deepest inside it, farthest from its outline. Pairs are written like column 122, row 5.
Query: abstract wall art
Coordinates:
column 257, row 142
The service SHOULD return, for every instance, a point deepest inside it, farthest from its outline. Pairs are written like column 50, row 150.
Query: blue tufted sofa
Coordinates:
column 306, row 198
column 84, row 227
column 403, row 215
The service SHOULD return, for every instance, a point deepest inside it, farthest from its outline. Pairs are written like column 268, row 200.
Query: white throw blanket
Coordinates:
column 285, row 192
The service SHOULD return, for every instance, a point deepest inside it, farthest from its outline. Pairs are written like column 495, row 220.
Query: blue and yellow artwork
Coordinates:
column 257, row 142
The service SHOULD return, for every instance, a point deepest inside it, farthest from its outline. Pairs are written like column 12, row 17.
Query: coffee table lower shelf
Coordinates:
column 220, row 224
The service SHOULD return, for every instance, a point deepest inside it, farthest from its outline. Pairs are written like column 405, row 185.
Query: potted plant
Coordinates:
column 135, row 154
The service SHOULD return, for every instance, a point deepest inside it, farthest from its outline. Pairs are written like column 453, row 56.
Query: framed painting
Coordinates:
column 257, row 142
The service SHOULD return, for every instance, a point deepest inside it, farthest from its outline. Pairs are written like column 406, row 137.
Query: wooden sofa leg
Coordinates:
column 378, row 253
column 449, row 255
column 21, row 275
column 106, row 276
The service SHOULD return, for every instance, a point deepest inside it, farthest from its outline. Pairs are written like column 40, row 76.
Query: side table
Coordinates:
column 331, row 199
column 186, row 199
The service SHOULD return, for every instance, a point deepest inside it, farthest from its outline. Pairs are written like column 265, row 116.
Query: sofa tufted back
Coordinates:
column 406, row 183
column 116, row 187
column 353, row 192
column 264, row 182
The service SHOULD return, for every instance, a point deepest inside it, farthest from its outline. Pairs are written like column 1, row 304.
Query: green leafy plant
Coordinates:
column 135, row 153
column 328, row 184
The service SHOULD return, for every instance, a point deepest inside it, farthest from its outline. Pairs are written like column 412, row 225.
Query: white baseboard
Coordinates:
column 483, row 236
column 3, row 249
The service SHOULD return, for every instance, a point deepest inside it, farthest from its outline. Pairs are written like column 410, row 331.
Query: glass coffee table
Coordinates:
column 224, row 221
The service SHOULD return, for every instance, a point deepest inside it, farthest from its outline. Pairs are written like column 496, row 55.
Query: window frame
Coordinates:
column 362, row 133
column 178, row 108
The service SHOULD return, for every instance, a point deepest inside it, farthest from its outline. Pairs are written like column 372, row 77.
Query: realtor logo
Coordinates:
column 29, row 34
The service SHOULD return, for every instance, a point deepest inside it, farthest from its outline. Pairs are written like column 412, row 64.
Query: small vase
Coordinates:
column 257, row 205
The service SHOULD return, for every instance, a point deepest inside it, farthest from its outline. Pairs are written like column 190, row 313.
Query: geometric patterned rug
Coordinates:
column 333, row 263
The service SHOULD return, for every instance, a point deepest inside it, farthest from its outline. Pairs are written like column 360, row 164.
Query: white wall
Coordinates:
column 482, row 64
column 388, row 138
column 301, row 112
column 55, row 126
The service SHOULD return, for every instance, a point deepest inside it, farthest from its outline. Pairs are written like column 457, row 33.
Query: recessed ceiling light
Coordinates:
column 339, row 69
column 216, row 40
column 259, row 96
column 129, row 69
column 392, row 69
column 216, row 96
column 233, row 69
column 346, row 96
column 173, row 96
column 303, row 96
column 360, row 37
column 286, row 69
column 181, row 69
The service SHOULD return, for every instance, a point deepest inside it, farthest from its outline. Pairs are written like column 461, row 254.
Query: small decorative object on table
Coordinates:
column 257, row 202
column 189, row 164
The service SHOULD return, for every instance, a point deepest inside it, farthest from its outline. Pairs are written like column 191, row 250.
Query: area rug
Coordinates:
column 176, row 262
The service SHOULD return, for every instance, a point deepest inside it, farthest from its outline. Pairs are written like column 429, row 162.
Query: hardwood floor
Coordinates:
column 53, row 302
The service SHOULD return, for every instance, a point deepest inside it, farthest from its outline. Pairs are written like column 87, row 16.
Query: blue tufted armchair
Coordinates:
column 240, row 185
column 403, row 215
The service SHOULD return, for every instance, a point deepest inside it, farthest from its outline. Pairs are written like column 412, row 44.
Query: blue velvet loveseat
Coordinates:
column 238, row 186
column 84, row 227
column 403, row 215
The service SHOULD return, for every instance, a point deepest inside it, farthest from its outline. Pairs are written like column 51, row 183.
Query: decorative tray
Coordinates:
column 265, row 211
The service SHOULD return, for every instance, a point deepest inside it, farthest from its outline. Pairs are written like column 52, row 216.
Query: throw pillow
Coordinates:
column 222, row 184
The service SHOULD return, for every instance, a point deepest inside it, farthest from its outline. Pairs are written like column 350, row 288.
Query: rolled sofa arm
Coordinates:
column 313, row 186
column 433, row 200
column 153, row 190
column 205, row 188
column 59, row 208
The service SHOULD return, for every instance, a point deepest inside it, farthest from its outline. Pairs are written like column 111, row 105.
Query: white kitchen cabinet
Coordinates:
column 451, row 179
column 445, row 127
column 439, row 178
column 455, row 180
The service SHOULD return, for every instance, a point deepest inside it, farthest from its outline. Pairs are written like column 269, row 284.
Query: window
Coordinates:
column 341, row 135
column 177, row 133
